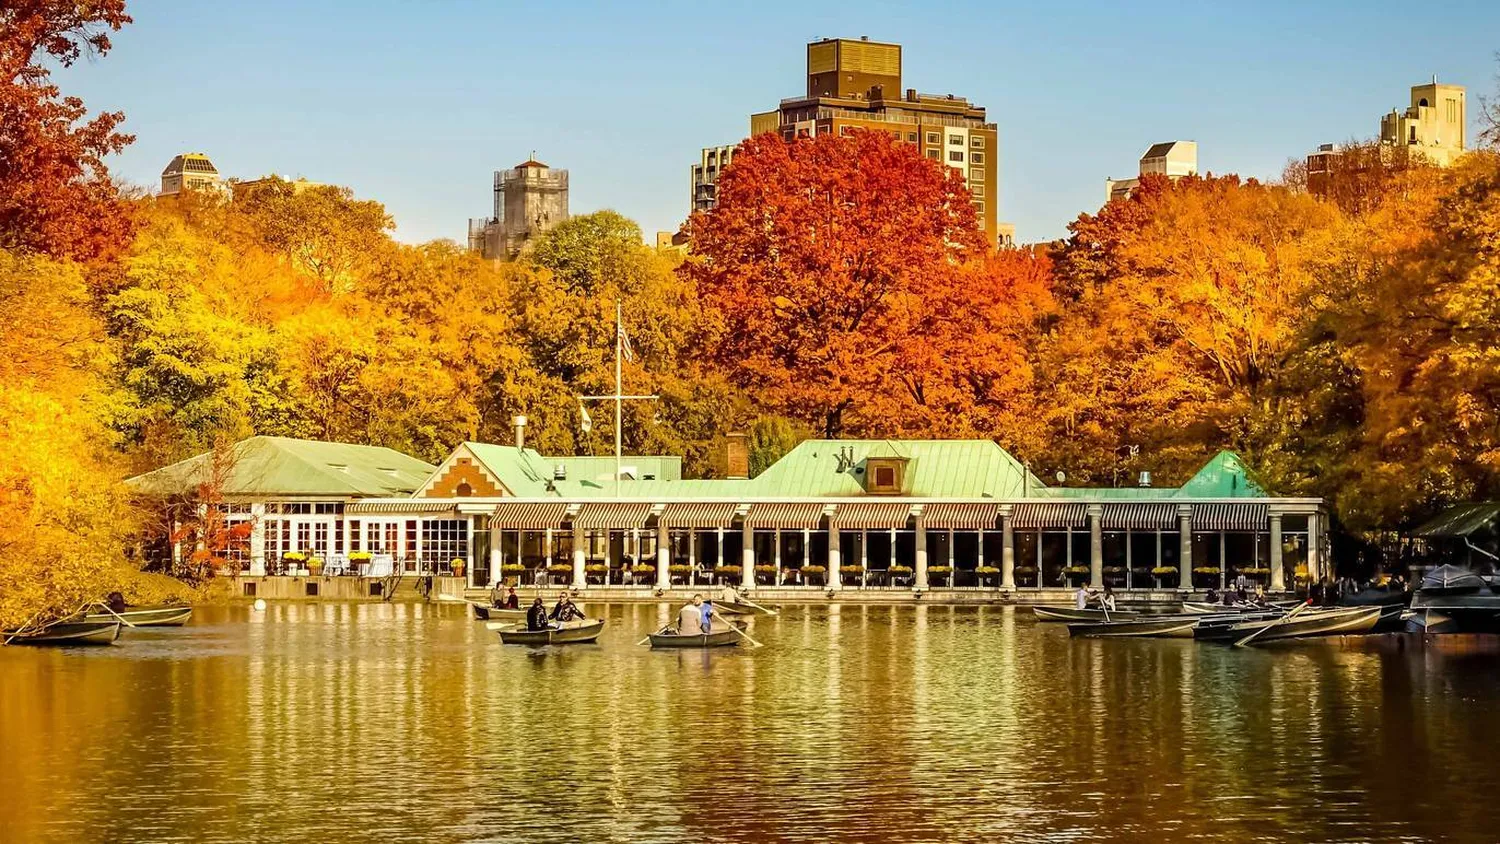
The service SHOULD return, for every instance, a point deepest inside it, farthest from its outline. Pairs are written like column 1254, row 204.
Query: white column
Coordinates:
column 921, row 566
column 663, row 556
column 835, row 557
column 747, row 554
column 258, row 539
column 1184, row 547
column 1096, row 546
column 1278, row 576
column 497, row 558
column 776, row 553
column 1007, row 552
column 747, row 571
column 692, row 538
column 1129, row 561
column 580, row 554
column 1314, row 548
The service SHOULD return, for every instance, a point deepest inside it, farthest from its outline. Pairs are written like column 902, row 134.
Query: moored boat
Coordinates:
column 1062, row 614
column 67, row 633
column 1156, row 627
column 571, row 633
column 1454, row 599
column 716, row 639
column 1321, row 622
column 1205, row 608
column 484, row 613
column 740, row 608
column 160, row 616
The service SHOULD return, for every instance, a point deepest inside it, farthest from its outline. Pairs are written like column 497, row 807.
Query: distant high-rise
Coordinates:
column 856, row 84
column 711, row 163
column 1173, row 159
column 530, row 198
column 1434, row 123
column 189, row 171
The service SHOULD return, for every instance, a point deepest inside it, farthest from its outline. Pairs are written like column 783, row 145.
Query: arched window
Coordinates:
column 463, row 490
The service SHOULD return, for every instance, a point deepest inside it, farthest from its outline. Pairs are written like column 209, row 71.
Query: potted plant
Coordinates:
column 509, row 570
column 1074, row 573
column 643, row 572
column 1206, row 571
column 765, row 574
column 817, row 573
column 1164, row 571
column 560, row 570
column 292, row 561
column 901, row 572
column 596, row 572
column 315, row 566
column 730, row 574
column 988, row 575
column 679, row 573
column 358, row 558
column 938, row 575
column 851, row 574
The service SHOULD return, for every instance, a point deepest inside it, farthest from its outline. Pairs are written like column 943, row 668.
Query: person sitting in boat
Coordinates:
column 565, row 611
column 1108, row 601
column 690, row 618
column 1081, row 598
column 708, row 615
column 497, row 597
column 1212, row 597
column 536, row 615
column 731, row 595
column 512, row 600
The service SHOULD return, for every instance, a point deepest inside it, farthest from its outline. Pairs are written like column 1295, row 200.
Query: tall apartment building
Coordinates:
column 711, row 162
column 530, row 198
column 1173, row 159
column 1433, row 128
column 856, row 84
column 189, row 171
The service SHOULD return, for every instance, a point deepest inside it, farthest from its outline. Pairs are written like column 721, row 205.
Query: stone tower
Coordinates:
column 530, row 198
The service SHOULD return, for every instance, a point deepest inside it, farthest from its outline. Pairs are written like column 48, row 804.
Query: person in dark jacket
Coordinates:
column 565, row 610
column 536, row 615
column 512, row 600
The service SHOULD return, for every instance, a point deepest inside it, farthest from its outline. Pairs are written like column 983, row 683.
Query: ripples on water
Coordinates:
column 411, row 723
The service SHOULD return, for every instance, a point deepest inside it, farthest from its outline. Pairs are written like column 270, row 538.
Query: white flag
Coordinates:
column 625, row 348
column 587, row 423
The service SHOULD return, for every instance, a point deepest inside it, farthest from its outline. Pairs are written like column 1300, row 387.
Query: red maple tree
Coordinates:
column 56, row 196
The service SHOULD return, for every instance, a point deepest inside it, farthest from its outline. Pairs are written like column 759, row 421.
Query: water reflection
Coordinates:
column 409, row 722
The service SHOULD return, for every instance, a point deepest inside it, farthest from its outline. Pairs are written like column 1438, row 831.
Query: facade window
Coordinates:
column 444, row 540
column 934, row 138
column 979, row 206
column 955, row 155
column 843, row 130
column 977, row 157
column 981, row 224
column 978, row 190
column 976, row 141
column 911, row 137
column 976, row 175
column 932, row 154
column 955, row 140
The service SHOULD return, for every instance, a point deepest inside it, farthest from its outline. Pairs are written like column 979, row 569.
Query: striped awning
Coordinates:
column 530, row 515
column 872, row 516
column 785, row 515
column 1139, row 516
column 619, row 515
column 1230, row 517
column 394, row 508
column 960, row 516
column 1049, row 515
column 704, row 514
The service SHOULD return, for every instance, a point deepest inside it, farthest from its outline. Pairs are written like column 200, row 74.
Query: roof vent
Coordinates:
column 1145, row 479
column 560, row 472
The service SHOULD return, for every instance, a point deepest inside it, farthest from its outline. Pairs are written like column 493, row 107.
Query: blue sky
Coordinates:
column 417, row 103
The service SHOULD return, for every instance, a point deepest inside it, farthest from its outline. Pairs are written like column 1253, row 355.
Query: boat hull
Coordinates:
column 1169, row 627
column 572, row 633
column 1334, row 622
column 716, row 639
column 71, row 633
column 146, row 616
column 1204, row 608
column 484, row 613
column 737, row 608
column 1066, row 614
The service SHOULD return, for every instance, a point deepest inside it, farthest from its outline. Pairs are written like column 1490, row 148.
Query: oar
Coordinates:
column 746, row 636
column 1288, row 617
column 115, row 614
column 648, row 638
column 749, row 603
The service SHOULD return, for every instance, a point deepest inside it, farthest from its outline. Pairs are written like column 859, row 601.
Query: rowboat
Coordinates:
column 1055, row 614
column 572, row 633
column 484, row 613
column 716, row 639
column 1156, row 627
column 162, row 616
column 739, row 608
column 1221, row 628
column 1328, row 622
column 1455, row 599
column 1204, row 608
column 68, row 633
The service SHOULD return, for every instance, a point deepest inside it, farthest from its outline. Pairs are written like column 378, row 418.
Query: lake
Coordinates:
column 409, row 722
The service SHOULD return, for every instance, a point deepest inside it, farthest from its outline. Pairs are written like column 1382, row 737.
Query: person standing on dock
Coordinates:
column 690, row 618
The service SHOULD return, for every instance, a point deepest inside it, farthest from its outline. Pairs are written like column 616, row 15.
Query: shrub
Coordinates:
column 771, row 570
column 940, row 571
column 987, row 571
column 1162, row 571
column 1206, row 570
column 360, row 556
column 679, row 571
column 517, row 568
column 729, row 571
column 849, row 570
column 1076, row 570
column 596, row 568
column 642, row 568
column 900, row 571
column 560, row 568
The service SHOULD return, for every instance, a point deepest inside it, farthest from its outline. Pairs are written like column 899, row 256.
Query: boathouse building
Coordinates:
column 830, row 515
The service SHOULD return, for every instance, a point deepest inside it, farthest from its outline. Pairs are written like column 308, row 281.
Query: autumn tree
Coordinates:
column 56, row 196
column 822, row 264
column 321, row 230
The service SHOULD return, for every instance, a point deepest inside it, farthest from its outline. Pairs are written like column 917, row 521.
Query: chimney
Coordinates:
column 520, row 422
column 1145, row 479
column 560, row 472
column 737, row 455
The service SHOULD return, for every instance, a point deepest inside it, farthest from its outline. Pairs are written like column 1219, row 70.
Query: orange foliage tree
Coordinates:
column 825, row 268
column 56, row 196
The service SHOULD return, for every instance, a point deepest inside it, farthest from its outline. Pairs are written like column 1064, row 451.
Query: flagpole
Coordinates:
column 619, row 394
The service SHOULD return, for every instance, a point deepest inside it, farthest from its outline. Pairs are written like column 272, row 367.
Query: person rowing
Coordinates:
column 565, row 611
column 536, row 616
column 690, row 618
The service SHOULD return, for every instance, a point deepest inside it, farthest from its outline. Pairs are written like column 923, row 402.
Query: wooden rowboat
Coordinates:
column 1331, row 622
column 69, row 633
column 163, row 616
column 1158, row 627
column 1058, row 614
column 739, row 608
column 1204, row 608
column 485, row 613
column 572, row 633
column 716, row 639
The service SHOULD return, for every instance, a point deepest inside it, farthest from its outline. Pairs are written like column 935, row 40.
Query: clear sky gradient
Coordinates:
column 417, row 103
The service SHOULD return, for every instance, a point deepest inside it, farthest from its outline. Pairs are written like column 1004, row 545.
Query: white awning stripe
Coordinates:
column 414, row 506
column 530, row 515
column 612, row 516
column 872, row 516
column 1139, row 516
column 1230, row 517
column 689, row 514
column 797, row 516
column 1050, row 515
column 960, row 516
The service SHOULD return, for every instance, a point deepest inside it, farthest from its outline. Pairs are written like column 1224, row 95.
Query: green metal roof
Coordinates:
column 1224, row 476
column 527, row 473
column 937, row 469
column 281, row 466
column 1462, row 520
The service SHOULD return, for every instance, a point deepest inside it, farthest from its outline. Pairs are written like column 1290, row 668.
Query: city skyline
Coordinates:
column 422, row 127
